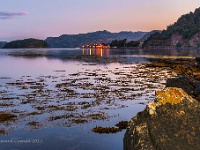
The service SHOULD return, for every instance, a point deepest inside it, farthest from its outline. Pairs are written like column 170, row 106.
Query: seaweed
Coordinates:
column 6, row 117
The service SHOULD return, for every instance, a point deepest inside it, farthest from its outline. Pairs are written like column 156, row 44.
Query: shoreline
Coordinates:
column 172, row 121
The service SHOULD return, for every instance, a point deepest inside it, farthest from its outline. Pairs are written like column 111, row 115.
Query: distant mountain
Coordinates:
column 2, row 44
column 77, row 40
column 183, row 33
column 26, row 43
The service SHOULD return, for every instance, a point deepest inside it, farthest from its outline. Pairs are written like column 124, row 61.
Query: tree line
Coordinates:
column 124, row 43
column 187, row 26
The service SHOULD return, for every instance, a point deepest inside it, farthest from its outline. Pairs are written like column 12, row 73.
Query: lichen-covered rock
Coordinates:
column 175, row 124
column 137, row 134
column 170, row 95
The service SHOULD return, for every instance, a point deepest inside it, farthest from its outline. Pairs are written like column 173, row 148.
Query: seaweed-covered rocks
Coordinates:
column 6, row 117
column 120, row 126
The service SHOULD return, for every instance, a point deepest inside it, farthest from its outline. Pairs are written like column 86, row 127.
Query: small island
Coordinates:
column 26, row 43
column 2, row 44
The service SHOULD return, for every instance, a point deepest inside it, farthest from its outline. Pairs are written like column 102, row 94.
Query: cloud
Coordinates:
column 10, row 15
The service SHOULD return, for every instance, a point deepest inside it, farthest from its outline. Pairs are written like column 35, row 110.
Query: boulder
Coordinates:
column 171, row 122
column 197, row 89
column 181, row 82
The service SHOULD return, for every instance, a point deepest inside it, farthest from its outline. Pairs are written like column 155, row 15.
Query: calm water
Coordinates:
column 59, row 95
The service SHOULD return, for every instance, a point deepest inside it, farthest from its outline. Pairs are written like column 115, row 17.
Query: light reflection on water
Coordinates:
column 63, row 53
column 115, row 86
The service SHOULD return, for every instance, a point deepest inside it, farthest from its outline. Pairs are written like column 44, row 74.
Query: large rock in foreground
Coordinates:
column 172, row 122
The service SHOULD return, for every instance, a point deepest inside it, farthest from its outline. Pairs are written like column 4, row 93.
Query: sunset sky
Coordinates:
column 21, row 19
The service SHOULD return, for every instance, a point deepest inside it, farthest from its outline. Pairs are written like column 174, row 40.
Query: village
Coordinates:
column 103, row 45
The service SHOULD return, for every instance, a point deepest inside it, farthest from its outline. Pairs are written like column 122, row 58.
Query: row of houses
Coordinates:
column 104, row 46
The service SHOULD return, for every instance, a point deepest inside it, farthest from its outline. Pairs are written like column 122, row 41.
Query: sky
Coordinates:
column 20, row 19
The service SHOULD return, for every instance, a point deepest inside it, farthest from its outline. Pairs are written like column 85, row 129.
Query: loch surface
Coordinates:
column 53, row 98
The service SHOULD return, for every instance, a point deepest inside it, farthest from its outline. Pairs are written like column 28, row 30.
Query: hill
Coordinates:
column 2, row 44
column 26, row 43
column 146, row 36
column 183, row 33
column 77, row 40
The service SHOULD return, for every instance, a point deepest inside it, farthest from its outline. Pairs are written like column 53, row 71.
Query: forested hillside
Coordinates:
column 183, row 33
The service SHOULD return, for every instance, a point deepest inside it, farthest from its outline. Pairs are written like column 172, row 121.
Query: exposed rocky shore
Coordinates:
column 175, row 41
column 172, row 120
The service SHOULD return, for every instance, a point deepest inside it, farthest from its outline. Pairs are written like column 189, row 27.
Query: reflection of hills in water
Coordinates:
column 69, row 54
column 141, row 53
column 155, row 53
